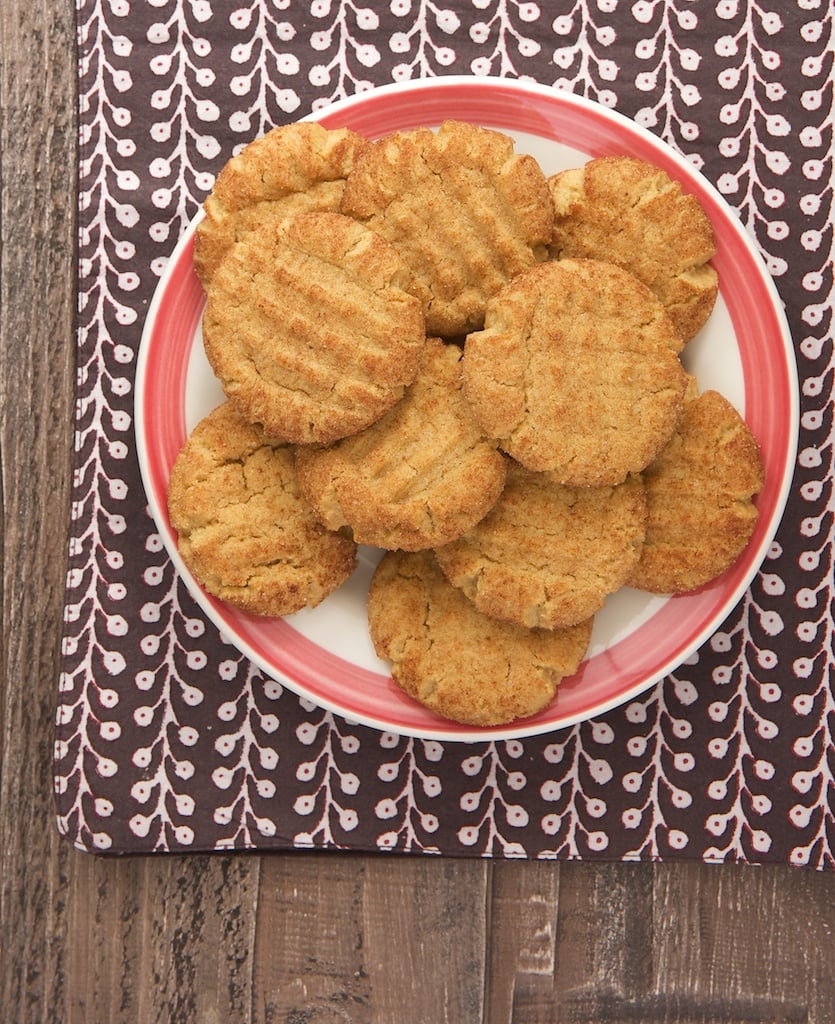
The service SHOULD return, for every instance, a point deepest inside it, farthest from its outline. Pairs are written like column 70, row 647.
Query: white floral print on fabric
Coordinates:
column 167, row 738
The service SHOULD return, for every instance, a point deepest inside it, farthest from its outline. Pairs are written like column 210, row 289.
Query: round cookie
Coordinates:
column 632, row 213
column 420, row 476
column 546, row 555
column 699, row 496
column 309, row 329
column 465, row 210
column 455, row 661
column 292, row 169
column 244, row 530
column 574, row 372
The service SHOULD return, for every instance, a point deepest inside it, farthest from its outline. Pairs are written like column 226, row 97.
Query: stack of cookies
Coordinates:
column 429, row 347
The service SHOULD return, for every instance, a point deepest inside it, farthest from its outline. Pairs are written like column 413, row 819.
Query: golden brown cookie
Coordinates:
column 243, row 528
column 632, row 213
column 455, row 661
column 546, row 555
column 574, row 372
column 292, row 169
column 465, row 210
column 420, row 476
column 699, row 496
column 309, row 329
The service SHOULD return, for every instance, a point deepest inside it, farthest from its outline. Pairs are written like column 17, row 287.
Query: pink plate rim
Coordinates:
column 632, row 664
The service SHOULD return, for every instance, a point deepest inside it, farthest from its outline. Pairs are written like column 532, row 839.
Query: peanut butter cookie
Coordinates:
column 243, row 528
column 700, row 493
column 455, row 661
column 547, row 555
column 465, row 210
column 309, row 329
column 420, row 476
column 292, row 169
column 574, row 372
column 632, row 213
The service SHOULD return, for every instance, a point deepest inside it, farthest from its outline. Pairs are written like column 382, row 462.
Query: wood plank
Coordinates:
column 356, row 938
column 37, row 154
column 604, row 933
column 682, row 943
column 425, row 923
column 522, row 953
column 162, row 939
column 309, row 941
column 750, row 944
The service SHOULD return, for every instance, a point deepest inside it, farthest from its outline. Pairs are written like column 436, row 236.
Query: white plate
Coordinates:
column 745, row 351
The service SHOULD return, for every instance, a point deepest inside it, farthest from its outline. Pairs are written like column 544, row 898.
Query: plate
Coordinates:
column 745, row 351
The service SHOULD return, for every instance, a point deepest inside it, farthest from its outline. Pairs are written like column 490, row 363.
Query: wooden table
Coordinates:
column 300, row 937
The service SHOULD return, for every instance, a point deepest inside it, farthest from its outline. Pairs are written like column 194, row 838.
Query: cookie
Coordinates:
column 546, row 555
column 420, row 476
column 309, row 329
column 292, row 169
column 455, row 661
column 465, row 210
column 700, row 499
column 574, row 372
column 243, row 529
column 632, row 213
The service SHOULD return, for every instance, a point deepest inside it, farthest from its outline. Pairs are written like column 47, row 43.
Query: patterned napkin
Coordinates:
column 167, row 738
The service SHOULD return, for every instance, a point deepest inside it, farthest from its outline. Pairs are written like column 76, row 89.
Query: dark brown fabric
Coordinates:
column 167, row 738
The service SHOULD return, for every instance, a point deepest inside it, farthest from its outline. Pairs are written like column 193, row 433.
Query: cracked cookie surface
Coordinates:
column 420, row 476
column 547, row 555
column 465, row 210
column 291, row 169
column 632, row 213
column 455, row 661
column 576, row 372
column 243, row 528
column 309, row 329
column 700, row 494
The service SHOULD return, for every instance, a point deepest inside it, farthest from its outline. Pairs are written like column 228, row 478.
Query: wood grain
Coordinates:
column 36, row 297
column 299, row 938
column 383, row 927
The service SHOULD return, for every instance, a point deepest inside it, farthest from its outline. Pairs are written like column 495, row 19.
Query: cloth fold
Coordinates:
column 168, row 738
